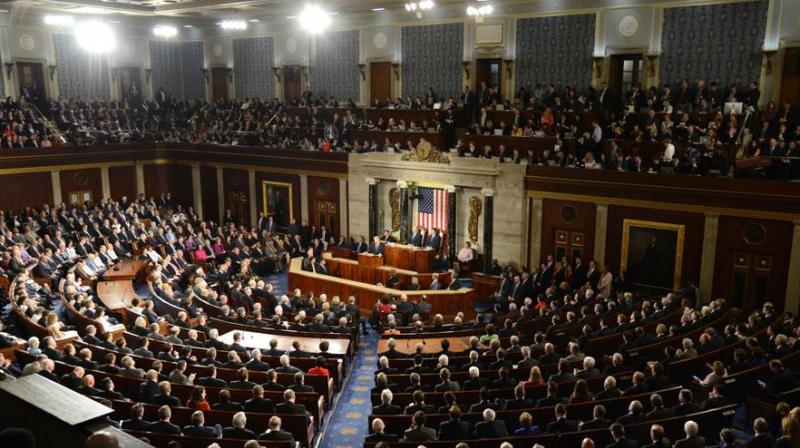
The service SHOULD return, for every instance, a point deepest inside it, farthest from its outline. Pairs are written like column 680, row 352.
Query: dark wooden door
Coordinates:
column 569, row 244
column 380, row 81
column 488, row 71
column 624, row 71
column 31, row 80
column 326, row 214
column 292, row 82
column 219, row 83
column 239, row 205
column 790, row 81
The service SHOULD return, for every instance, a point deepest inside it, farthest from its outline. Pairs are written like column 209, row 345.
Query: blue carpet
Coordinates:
column 347, row 426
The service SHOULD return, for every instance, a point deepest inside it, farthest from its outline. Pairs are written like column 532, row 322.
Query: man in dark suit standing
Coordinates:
column 454, row 429
column 418, row 431
column 490, row 427
column 435, row 241
column 275, row 433
column 376, row 247
column 470, row 101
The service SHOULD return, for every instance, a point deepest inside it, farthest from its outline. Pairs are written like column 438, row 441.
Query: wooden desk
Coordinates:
column 341, row 252
column 116, row 295
column 356, row 271
column 369, row 260
column 309, row 344
column 409, row 257
column 445, row 302
column 432, row 345
column 124, row 270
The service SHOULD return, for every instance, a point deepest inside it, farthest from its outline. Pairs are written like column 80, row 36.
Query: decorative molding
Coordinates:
column 402, row 184
column 465, row 64
column 487, row 191
column 363, row 72
column 53, row 69
column 371, row 180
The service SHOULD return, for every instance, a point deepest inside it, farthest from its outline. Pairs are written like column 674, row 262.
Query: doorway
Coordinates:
column 625, row 70
column 327, row 215
column 130, row 83
column 292, row 82
column 219, row 83
column 790, row 79
column 380, row 81
column 31, row 82
column 487, row 71
column 239, row 205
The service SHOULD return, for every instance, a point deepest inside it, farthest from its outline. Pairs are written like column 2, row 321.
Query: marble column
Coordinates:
column 55, row 179
column 405, row 219
column 220, row 194
column 451, row 223
column 197, row 190
column 793, row 284
column 105, row 182
column 708, row 256
column 600, row 228
column 537, row 207
column 488, row 227
column 139, row 178
column 343, row 208
column 251, row 181
column 372, row 202
column 304, row 197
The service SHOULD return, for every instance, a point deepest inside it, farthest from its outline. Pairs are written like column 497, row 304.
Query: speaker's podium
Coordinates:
column 412, row 258
column 370, row 260
column 56, row 415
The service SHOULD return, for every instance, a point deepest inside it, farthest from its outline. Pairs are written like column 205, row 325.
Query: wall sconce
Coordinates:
column 651, row 64
column 229, row 75
column 53, row 70
column 598, row 66
column 509, row 67
column 768, row 61
column 205, row 74
column 396, row 69
column 304, row 69
column 276, row 71
column 361, row 68
column 148, row 72
column 9, row 68
column 465, row 64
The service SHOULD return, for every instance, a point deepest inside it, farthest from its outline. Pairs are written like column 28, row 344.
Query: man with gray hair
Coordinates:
column 489, row 427
column 693, row 440
column 237, row 429
column 386, row 407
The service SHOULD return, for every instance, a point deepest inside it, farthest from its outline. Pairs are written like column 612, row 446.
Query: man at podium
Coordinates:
column 376, row 247
column 417, row 239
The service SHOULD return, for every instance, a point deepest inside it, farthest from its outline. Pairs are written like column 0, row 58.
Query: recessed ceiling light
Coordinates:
column 378, row 9
column 254, row 20
column 187, row 26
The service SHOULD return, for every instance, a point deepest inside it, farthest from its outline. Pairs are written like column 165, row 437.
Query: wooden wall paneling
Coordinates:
column 172, row 178
column 208, row 183
column 237, row 193
column 79, row 181
column 22, row 190
column 574, row 219
column 763, row 248
column 693, row 237
column 122, row 180
column 323, row 194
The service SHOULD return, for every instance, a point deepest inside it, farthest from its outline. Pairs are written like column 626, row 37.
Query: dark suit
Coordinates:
column 422, row 434
column 201, row 431
column 699, row 442
column 238, row 433
column 164, row 427
column 625, row 443
column 484, row 430
column 562, row 425
column 290, row 408
column 148, row 391
column 136, row 425
column 760, row 441
column 260, row 405
column 277, row 436
column 454, row 430
column 380, row 437
column 387, row 410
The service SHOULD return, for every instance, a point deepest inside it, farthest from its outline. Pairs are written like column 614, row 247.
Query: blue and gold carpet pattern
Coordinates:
column 347, row 426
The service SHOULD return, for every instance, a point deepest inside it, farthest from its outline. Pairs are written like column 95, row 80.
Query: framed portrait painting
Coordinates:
column 278, row 200
column 652, row 253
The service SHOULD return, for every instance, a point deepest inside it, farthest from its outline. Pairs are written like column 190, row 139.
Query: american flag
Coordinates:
column 432, row 208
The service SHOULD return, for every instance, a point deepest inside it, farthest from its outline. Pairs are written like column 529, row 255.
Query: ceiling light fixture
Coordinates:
column 235, row 25
column 58, row 20
column 187, row 26
column 420, row 6
column 95, row 37
column 314, row 19
column 165, row 31
column 480, row 11
column 254, row 20
column 378, row 9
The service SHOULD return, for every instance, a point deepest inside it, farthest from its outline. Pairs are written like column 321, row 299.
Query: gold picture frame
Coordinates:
column 648, row 252
column 268, row 204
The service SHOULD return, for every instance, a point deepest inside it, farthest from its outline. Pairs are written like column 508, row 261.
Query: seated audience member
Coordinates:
column 489, row 427
column 418, row 431
column 237, row 429
column 198, row 428
column 275, row 433
column 163, row 424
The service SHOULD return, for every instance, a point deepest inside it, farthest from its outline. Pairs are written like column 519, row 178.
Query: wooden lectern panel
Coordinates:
column 369, row 260
column 404, row 256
